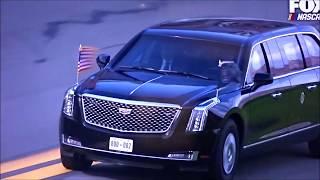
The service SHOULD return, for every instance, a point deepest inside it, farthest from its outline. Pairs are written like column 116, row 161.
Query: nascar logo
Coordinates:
column 304, row 10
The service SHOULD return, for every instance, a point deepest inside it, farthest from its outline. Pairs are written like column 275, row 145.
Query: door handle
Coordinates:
column 311, row 87
column 276, row 95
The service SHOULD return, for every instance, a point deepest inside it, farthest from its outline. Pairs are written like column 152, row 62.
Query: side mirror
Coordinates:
column 262, row 79
column 103, row 60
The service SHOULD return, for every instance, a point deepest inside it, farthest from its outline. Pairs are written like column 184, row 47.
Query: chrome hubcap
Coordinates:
column 229, row 153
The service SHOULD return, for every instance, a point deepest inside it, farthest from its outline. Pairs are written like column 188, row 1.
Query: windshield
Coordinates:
column 184, row 56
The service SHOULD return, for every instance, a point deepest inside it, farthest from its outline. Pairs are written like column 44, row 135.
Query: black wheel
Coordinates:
column 314, row 147
column 75, row 162
column 225, row 154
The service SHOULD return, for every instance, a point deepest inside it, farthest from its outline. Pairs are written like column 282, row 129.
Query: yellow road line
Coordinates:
column 46, row 156
column 42, row 173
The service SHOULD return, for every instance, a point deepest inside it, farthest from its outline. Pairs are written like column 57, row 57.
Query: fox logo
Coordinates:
column 304, row 10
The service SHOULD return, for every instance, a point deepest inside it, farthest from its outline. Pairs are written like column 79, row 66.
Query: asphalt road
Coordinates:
column 288, row 163
column 39, row 41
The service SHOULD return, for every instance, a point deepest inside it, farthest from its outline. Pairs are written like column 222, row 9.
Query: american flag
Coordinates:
column 87, row 55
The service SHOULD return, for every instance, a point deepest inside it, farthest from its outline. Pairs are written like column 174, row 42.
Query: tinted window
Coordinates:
column 257, row 64
column 277, row 65
column 290, row 49
column 195, row 56
column 313, row 50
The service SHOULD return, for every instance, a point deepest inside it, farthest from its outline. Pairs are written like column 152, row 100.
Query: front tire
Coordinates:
column 225, row 154
column 75, row 162
column 314, row 147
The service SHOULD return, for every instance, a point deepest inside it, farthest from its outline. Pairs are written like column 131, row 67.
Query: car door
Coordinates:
column 310, row 79
column 300, row 78
column 266, row 111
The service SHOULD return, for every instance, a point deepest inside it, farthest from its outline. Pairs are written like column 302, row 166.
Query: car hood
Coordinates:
column 150, row 87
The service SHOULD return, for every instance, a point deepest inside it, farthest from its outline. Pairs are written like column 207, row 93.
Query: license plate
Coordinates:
column 120, row 144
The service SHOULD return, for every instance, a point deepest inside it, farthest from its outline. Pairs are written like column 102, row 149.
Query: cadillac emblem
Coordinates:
column 124, row 111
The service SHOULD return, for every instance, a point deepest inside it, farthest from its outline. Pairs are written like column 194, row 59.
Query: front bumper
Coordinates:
column 147, row 148
column 132, row 159
column 192, row 155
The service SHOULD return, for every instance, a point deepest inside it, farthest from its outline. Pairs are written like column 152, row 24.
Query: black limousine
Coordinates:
column 197, row 92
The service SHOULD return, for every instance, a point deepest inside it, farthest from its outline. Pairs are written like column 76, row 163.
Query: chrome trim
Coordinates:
column 221, row 18
column 71, row 92
column 193, row 158
column 174, row 119
column 280, row 136
column 275, row 95
column 205, row 109
column 312, row 87
column 288, row 74
column 144, row 84
column 143, row 103
column 132, row 102
column 282, row 35
column 286, row 130
column 297, row 72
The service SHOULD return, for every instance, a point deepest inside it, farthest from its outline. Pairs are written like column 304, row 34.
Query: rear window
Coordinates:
column 313, row 51
column 277, row 65
column 291, row 53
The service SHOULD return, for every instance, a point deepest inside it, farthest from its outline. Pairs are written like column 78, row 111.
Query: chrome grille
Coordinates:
column 113, row 114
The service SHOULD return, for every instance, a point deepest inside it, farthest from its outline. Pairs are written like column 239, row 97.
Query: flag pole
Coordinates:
column 77, row 80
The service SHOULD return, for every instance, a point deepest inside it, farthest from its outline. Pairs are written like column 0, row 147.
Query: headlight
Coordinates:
column 199, row 115
column 68, row 102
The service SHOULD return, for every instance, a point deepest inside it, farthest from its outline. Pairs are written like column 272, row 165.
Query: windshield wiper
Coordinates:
column 163, row 71
column 185, row 74
column 141, row 68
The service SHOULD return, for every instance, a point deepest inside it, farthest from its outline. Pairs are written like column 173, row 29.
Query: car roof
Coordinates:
column 243, row 27
column 236, row 30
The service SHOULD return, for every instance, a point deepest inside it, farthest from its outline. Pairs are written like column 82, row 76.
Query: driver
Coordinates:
column 166, row 57
column 230, row 72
